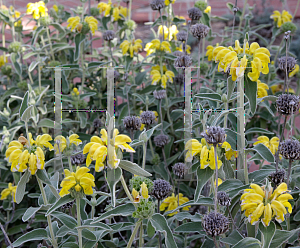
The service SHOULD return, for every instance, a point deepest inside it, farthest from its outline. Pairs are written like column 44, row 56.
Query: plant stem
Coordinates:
column 233, row 23
column 162, row 24
column 53, row 239
column 39, row 72
column 168, row 115
column 243, row 13
column 277, row 53
column 79, row 222
column 159, row 234
column 215, row 242
column 217, row 177
column 126, row 189
column 289, row 173
column 141, row 240
column 129, row 245
column 297, row 6
column 161, row 118
column 166, row 165
column 82, row 65
column 70, row 164
column 5, row 235
column 50, row 43
column 281, row 137
column 27, row 133
column 130, row 5
column 198, row 70
column 144, row 154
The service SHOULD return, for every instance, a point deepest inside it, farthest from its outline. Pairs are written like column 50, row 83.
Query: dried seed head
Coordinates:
column 147, row 117
column 194, row 13
column 109, row 35
column 223, row 199
column 68, row 205
column 215, row 224
column 161, row 189
column 214, row 135
column 160, row 94
column 78, row 159
column 161, row 140
column 287, row 104
column 183, row 61
column 277, row 177
column 157, row 4
column 178, row 53
column 181, row 36
column 132, row 123
column 287, row 35
column 290, row 149
column 97, row 123
column 179, row 169
column 288, row 62
column 199, row 30
column 179, row 79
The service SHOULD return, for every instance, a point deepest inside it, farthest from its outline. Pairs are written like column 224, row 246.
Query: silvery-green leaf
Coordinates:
column 134, row 168
column 21, row 186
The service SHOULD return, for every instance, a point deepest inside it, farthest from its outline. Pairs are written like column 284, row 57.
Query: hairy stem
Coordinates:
column 50, row 43
column 136, row 228
column 141, row 240
column 70, row 164
column 289, row 173
column 217, row 176
column 79, row 222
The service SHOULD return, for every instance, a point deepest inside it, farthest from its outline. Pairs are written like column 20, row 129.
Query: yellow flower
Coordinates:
column 259, row 202
column 66, row 143
column 156, row 117
column 144, row 191
column 131, row 46
column 209, row 52
column 136, row 196
column 21, row 157
column 105, row 7
column 98, row 148
column 171, row 203
column 293, row 72
column 163, row 78
column 73, row 22
column 188, row 49
column 219, row 182
column 279, row 87
column 37, row 9
column 77, row 181
column 155, row 44
column 10, row 191
column 3, row 60
column 169, row 33
column 271, row 144
column 167, row 2
column 262, row 89
column 257, row 58
column 93, row 22
column 181, row 17
column 193, row 148
column 75, row 91
column 228, row 151
column 117, row 11
column 207, row 10
column 284, row 17
column 55, row 8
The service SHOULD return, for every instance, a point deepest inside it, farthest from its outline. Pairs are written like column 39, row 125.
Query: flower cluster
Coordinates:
column 249, row 60
column 281, row 18
column 264, row 201
column 272, row 143
column 132, row 47
column 10, row 191
column 171, row 203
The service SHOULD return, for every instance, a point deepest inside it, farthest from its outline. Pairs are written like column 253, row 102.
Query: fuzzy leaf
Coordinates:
column 21, row 187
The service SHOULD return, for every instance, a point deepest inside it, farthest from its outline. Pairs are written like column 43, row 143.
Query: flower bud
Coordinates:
column 224, row 98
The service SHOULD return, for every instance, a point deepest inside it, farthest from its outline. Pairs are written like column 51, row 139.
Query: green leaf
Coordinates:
column 35, row 235
column 160, row 224
column 282, row 236
column 66, row 219
column 134, row 168
column 268, row 233
column 189, row 227
column 60, row 202
column 41, row 174
column 61, row 30
column 233, row 238
column 21, row 186
column 150, row 131
column 46, row 123
column 257, row 130
column 205, row 201
column 209, row 96
column 150, row 229
column 33, row 65
column 14, row 57
column 263, row 151
column 79, row 38
column 203, row 175
column 24, row 104
column 259, row 175
column 31, row 211
column 37, row 32
column 248, row 242
column 113, row 177
column 27, row 114
column 251, row 93
column 122, row 210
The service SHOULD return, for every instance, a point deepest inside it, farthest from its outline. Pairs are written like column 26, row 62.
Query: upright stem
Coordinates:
column 144, row 154
column 126, row 189
column 130, row 5
column 215, row 242
column 159, row 234
column 3, row 38
column 141, row 240
column 243, row 13
column 198, row 71
column 79, row 222
column 40, row 74
column 286, row 82
column 166, row 165
column 136, row 228
column 28, row 138
column 82, row 65
column 280, row 139
column 217, row 177
column 70, row 164
column 289, row 173
column 50, row 43
column 162, row 24
column 233, row 23
column 53, row 239
column 161, row 118
column 168, row 115
column 297, row 6
column 5, row 234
